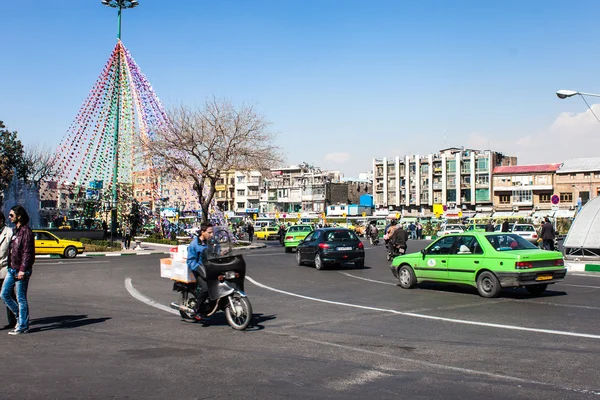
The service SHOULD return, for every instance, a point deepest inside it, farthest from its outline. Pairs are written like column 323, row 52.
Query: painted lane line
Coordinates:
column 368, row 280
column 532, row 302
column 430, row 317
column 585, row 286
column 460, row 370
column 74, row 262
column 137, row 295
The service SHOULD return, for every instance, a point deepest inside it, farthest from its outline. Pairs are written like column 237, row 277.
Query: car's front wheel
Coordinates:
column 406, row 277
column 70, row 252
column 536, row 290
column 488, row 285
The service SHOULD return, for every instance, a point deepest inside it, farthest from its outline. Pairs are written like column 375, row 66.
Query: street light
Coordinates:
column 120, row 4
column 563, row 94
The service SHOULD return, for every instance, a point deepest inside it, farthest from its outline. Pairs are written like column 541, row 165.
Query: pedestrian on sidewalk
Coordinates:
column 250, row 230
column 21, row 259
column 548, row 234
column 5, row 236
column 127, row 237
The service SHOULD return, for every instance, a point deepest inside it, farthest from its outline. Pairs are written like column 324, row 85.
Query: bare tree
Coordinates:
column 201, row 144
column 40, row 162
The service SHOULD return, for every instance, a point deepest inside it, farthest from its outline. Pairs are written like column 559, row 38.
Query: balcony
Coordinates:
column 437, row 186
column 253, row 183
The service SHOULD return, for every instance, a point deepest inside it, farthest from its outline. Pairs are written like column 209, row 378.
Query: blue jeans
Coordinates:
column 20, row 307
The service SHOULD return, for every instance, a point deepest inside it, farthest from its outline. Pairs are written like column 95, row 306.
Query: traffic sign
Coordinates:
column 277, row 215
column 299, row 215
column 397, row 215
column 364, row 214
column 344, row 215
column 555, row 199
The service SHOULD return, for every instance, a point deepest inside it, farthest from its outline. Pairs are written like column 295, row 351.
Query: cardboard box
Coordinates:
column 180, row 272
column 166, row 268
column 179, row 253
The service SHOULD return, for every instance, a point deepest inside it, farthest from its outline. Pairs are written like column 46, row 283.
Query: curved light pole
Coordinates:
column 563, row 94
column 120, row 4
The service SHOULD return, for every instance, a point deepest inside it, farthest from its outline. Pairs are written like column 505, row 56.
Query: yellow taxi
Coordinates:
column 47, row 243
column 267, row 233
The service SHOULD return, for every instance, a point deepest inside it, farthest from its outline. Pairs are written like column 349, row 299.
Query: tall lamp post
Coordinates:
column 120, row 5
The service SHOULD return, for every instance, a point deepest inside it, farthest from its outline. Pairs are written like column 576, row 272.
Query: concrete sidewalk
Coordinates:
column 146, row 249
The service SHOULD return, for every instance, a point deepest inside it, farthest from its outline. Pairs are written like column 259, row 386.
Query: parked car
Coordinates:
column 526, row 231
column 331, row 246
column 47, row 243
column 498, row 227
column 476, row 228
column 487, row 261
column 267, row 233
column 451, row 228
column 294, row 235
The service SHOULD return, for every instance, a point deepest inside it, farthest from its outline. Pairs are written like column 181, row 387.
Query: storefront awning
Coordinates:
column 564, row 214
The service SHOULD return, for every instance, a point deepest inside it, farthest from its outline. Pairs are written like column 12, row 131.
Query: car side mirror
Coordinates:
column 423, row 251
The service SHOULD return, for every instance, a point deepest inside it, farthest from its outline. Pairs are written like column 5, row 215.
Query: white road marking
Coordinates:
column 362, row 378
column 137, row 295
column 585, row 286
column 430, row 317
column 74, row 262
column 368, row 280
column 588, row 275
column 438, row 366
column 265, row 254
column 532, row 302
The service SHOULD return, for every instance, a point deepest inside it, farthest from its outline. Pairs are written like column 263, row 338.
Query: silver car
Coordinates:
column 527, row 232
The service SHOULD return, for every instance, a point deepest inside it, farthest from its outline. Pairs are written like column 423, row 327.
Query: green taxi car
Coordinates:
column 487, row 261
column 294, row 235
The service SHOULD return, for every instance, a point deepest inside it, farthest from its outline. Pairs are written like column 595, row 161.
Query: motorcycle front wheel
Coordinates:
column 239, row 318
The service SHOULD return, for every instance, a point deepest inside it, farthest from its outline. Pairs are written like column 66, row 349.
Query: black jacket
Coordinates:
column 399, row 237
column 547, row 231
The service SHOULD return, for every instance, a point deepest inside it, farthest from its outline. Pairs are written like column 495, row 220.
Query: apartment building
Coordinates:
column 577, row 182
column 247, row 192
column 457, row 178
column 524, row 190
column 297, row 188
column 225, row 191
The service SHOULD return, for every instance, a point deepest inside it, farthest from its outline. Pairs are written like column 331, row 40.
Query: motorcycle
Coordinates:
column 225, row 273
column 374, row 238
column 395, row 251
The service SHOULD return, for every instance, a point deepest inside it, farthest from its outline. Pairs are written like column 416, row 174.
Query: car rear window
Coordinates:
column 523, row 228
column 509, row 242
column 293, row 229
column 336, row 236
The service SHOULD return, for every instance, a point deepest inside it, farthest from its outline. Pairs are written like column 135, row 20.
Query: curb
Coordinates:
column 582, row 267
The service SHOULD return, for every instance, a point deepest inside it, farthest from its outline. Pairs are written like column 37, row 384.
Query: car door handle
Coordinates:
column 476, row 262
column 443, row 261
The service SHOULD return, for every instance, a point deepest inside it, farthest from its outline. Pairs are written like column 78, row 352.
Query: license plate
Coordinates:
column 543, row 277
column 344, row 248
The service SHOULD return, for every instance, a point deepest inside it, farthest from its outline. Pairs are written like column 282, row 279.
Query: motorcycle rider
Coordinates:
column 398, row 239
column 195, row 258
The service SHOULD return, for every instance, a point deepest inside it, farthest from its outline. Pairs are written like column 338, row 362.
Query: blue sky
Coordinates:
column 341, row 81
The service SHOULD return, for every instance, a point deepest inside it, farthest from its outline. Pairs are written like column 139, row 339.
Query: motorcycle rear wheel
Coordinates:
column 183, row 301
column 240, row 318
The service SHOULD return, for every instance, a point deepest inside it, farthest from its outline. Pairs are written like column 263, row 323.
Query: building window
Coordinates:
column 241, row 205
column 505, row 199
column 424, row 169
column 483, row 180
column 451, row 166
column 597, row 175
column 545, row 197
column 572, row 176
column 241, row 192
column 566, row 197
column 241, row 179
column 465, row 167
column 522, row 196
column 482, row 165
column 451, row 195
column 482, row 195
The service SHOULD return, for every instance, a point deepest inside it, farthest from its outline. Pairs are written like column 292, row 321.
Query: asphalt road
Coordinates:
column 101, row 329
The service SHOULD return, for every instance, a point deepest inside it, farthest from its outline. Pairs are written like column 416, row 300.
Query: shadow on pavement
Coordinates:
column 63, row 322
column 219, row 319
column 508, row 293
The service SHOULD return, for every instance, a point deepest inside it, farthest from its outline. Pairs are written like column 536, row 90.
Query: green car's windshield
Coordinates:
column 509, row 242
column 296, row 229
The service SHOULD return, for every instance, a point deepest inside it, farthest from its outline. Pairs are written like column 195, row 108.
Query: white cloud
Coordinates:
column 571, row 135
column 339, row 158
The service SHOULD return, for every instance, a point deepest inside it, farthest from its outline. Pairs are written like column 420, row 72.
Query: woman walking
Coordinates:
column 21, row 259
column 5, row 236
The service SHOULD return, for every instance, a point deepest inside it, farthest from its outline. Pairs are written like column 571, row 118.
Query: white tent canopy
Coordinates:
column 583, row 239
